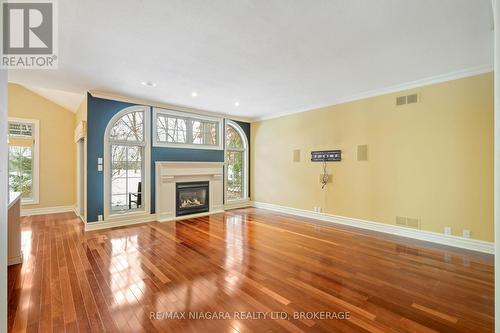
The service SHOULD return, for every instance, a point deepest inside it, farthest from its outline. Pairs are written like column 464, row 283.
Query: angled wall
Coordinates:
column 57, row 148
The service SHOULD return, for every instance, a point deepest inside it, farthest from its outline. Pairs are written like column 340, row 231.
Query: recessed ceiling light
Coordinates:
column 148, row 83
column 236, row 104
column 194, row 94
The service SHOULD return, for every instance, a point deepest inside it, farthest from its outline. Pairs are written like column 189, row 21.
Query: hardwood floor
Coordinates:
column 240, row 262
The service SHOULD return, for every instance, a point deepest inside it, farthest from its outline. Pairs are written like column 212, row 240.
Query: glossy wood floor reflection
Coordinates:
column 242, row 260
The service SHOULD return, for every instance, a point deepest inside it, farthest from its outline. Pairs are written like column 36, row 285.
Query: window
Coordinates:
column 23, row 159
column 236, row 163
column 125, row 162
column 184, row 130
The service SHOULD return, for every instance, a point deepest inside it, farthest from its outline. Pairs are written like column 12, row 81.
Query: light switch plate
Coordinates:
column 99, row 160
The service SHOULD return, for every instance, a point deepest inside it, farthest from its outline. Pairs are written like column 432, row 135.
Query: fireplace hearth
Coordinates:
column 192, row 198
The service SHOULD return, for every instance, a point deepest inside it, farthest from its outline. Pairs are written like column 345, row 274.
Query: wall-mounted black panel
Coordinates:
column 326, row 155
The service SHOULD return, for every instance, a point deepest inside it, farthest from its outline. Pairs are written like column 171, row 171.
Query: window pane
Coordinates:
column 171, row 129
column 119, row 202
column 126, row 177
column 21, row 171
column 130, row 127
column 234, row 177
column 233, row 139
column 21, row 129
column 204, row 132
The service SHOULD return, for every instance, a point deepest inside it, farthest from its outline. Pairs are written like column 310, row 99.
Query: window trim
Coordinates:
column 246, row 153
column 191, row 116
column 35, row 200
column 145, row 144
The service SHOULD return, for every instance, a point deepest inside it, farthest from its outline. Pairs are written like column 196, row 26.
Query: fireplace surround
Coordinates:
column 169, row 174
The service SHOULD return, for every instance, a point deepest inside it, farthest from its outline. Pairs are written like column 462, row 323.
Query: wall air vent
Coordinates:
column 400, row 220
column 401, row 100
column 411, row 99
column 408, row 222
column 408, row 99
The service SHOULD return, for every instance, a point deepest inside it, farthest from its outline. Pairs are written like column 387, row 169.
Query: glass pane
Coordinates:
column 21, row 129
column 126, row 177
column 233, row 139
column 171, row 129
column 130, row 127
column 234, row 177
column 118, row 185
column 134, row 185
column 119, row 202
column 198, row 137
column 21, row 171
column 192, row 198
column 204, row 132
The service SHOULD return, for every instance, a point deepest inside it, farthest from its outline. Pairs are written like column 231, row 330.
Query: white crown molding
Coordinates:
column 428, row 236
column 387, row 90
column 46, row 210
column 146, row 102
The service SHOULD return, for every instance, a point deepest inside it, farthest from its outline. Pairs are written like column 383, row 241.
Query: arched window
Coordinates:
column 126, row 156
column 236, row 163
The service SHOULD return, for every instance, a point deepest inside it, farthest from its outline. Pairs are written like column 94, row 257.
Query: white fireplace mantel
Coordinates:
column 170, row 173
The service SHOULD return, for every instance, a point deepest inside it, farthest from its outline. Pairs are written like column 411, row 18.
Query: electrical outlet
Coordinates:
column 99, row 217
column 317, row 209
column 447, row 230
column 466, row 233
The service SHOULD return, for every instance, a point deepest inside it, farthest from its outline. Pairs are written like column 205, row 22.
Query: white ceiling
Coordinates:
column 272, row 56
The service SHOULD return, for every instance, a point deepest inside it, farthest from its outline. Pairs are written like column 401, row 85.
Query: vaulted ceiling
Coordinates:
column 271, row 56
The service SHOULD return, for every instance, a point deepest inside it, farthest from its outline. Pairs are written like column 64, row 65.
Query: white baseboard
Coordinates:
column 429, row 236
column 161, row 218
column 119, row 222
column 77, row 213
column 15, row 260
column 238, row 204
column 46, row 210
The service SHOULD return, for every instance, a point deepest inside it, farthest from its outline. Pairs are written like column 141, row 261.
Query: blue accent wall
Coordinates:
column 99, row 113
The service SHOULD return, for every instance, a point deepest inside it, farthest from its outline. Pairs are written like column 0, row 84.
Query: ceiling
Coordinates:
column 272, row 56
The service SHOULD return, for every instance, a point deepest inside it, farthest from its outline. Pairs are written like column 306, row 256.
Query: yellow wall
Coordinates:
column 57, row 147
column 432, row 160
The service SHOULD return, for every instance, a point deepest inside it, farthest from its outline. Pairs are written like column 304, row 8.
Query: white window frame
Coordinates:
column 191, row 116
column 35, row 123
column 146, row 189
column 246, row 154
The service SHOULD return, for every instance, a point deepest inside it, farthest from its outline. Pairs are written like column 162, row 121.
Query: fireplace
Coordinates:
column 191, row 198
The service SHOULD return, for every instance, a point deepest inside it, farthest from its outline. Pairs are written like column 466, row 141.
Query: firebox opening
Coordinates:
column 192, row 198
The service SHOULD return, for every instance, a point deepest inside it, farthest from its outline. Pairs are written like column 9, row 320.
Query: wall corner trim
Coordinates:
column 428, row 236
